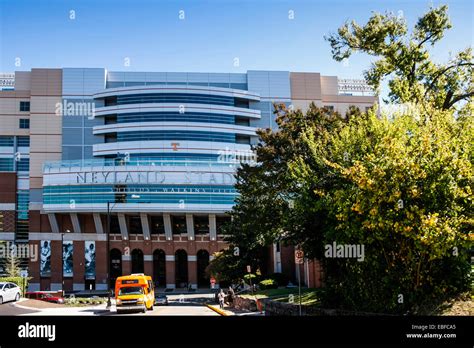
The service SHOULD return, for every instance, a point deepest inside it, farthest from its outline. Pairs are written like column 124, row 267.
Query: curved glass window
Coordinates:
column 175, row 117
column 176, row 135
column 177, row 98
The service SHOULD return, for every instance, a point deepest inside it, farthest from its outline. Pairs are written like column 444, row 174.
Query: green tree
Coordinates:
column 265, row 210
column 12, row 264
column 403, row 58
column 402, row 187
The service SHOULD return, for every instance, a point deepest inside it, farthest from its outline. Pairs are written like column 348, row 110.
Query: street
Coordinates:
column 181, row 305
column 188, row 304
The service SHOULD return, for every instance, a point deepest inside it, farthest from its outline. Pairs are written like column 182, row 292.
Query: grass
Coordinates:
column 309, row 297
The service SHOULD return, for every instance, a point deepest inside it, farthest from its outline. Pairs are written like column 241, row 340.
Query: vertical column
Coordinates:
column 56, row 265
column 276, row 258
column 192, row 271
column 78, row 265
column 190, row 226
column 148, row 265
column 101, row 264
column 34, row 267
column 170, row 272
column 76, row 226
column 167, row 223
column 126, row 264
column 306, row 272
column 145, row 226
column 98, row 223
column 53, row 222
column 212, row 227
column 123, row 226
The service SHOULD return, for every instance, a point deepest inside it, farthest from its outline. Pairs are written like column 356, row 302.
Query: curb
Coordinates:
column 15, row 304
column 218, row 310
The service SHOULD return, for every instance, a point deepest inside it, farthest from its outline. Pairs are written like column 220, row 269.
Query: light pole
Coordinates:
column 62, row 263
column 109, row 208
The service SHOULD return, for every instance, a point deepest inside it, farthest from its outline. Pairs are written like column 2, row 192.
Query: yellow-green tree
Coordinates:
column 401, row 186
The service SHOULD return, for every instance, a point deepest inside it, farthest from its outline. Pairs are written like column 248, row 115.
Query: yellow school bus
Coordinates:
column 134, row 292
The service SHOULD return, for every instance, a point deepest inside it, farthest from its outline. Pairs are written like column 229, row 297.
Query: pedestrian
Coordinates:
column 221, row 298
column 231, row 296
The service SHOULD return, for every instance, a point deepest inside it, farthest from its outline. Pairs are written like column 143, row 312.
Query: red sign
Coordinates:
column 299, row 256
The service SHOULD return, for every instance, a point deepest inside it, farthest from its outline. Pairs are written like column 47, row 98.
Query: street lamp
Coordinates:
column 109, row 208
column 62, row 263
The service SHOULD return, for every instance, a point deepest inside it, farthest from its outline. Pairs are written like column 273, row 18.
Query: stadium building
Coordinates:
column 148, row 156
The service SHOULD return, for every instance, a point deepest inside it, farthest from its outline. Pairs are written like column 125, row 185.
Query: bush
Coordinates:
column 268, row 284
column 84, row 301
column 17, row 280
column 280, row 278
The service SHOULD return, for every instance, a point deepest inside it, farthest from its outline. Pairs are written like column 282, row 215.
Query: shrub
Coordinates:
column 268, row 284
column 280, row 278
column 17, row 280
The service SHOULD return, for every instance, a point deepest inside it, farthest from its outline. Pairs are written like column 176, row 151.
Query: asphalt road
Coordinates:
column 9, row 309
column 189, row 304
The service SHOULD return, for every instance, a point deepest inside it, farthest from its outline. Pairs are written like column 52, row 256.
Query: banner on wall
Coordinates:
column 45, row 264
column 68, row 250
column 90, row 260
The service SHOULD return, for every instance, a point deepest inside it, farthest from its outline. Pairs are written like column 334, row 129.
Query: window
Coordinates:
column 23, row 165
column 6, row 140
column 178, row 224
column 6, row 164
column 157, row 225
column 135, row 225
column 201, row 224
column 329, row 107
column 242, row 139
column 114, row 225
column 23, row 141
column 24, row 106
column 24, row 123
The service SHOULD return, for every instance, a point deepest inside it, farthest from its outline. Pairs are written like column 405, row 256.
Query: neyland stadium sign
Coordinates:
column 154, row 177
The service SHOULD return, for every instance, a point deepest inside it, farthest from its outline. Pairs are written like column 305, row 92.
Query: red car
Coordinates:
column 44, row 296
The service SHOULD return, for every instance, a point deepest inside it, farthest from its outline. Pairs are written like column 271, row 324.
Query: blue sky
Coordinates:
column 209, row 38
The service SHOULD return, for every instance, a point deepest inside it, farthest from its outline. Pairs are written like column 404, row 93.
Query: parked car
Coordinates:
column 9, row 292
column 44, row 296
column 161, row 299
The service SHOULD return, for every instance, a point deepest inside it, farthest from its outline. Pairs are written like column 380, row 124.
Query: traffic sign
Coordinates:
column 213, row 282
column 24, row 273
column 249, row 269
column 299, row 257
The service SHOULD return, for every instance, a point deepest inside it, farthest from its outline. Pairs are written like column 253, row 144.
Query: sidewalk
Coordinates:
column 45, row 308
column 231, row 311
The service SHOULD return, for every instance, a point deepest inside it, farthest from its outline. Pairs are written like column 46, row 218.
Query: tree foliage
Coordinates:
column 398, row 184
column 402, row 187
column 404, row 58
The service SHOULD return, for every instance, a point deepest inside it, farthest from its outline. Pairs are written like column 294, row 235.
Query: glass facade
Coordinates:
column 163, row 194
column 178, row 98
column 171, row 117
column 176, row 135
